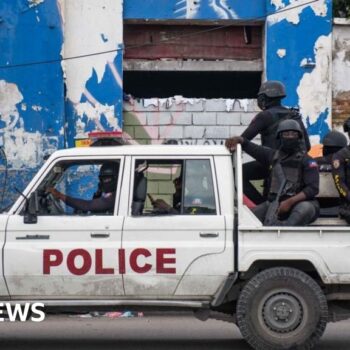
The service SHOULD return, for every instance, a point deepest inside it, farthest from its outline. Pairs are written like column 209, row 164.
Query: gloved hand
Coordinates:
column 232, row 142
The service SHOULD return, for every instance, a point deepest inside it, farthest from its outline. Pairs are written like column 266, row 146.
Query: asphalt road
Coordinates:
column 155, row 332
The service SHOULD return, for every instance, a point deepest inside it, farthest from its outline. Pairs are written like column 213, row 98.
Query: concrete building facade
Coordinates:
column 193, row 68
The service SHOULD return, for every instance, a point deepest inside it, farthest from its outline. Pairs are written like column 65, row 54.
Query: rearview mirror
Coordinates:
column 32, row 209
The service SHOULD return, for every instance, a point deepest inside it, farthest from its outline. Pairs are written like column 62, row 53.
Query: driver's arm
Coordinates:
column 96, row 204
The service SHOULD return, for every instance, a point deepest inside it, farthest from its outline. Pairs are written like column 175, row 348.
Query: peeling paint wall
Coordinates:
column 93, row 83
column 297, row 45
column 341, row 70
column 187, row 121
column 31, row 96
column 46, row 103
column 298, row 52
column 194, row 9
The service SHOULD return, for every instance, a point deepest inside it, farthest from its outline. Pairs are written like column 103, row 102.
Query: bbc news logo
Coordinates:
column 22, row 312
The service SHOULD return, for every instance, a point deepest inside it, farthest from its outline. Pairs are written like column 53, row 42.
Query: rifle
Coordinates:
column 271, row 217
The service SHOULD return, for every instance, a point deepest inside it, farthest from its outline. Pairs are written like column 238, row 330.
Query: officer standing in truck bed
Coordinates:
column 266, row 123
column 297, row 188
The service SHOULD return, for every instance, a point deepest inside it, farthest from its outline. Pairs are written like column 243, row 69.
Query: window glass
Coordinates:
column 158, row 188
column 79, row 188
column 199, row 197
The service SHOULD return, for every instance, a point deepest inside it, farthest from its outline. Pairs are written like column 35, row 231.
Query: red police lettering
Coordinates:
column 133, row 260
column 139, row 261
column 162, row 260
column 86, row 262
column 99, row 269
column 121, row 261
column 48, row 262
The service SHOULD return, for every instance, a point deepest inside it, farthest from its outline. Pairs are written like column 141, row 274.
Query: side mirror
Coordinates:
column 32, row 209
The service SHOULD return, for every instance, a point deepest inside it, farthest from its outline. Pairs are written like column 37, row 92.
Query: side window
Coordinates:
column 79, row 188
column 173, row 187
column 199, row 196
column 157, row 187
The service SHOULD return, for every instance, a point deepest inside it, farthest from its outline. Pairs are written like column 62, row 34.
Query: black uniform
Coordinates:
column 341, row 176
column 102, row 204
column 266, row 124
column 329, row 206
column 301, row 172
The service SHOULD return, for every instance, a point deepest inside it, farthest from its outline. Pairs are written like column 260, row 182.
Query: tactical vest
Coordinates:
column 280, row 113
column 268, row 136
column 292, row 169
column 345, row 153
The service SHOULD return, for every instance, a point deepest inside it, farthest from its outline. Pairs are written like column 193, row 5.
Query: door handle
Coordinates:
column 99, row 235
column 34, row 237
column 209, row 234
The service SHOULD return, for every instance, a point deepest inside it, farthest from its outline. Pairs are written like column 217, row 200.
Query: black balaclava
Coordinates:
column 108, row 183
column 265, row 102
column 290, row 145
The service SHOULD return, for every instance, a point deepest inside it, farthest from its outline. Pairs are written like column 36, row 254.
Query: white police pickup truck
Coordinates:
column 208, row 254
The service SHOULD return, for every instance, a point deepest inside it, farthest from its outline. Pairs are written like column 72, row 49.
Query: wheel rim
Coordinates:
column 282, row 312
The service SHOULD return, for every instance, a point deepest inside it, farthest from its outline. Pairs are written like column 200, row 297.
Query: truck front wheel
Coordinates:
column 282, row 308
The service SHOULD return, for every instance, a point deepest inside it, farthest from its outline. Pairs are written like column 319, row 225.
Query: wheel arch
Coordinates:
column 307, row 266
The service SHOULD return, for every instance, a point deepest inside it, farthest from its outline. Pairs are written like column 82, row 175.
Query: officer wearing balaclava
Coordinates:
column 266, row 123
column 341, row 175
column 103, row 201
column 297, row 204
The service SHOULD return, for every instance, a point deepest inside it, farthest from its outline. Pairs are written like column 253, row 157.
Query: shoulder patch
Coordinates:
column 312, row 164
column 336, row 163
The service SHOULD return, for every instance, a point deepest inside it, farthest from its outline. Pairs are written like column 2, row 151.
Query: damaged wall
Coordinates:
column 188, row 121
column 93, row 83
column 298, row 52
column 46, row 103
column 341, row 70
column 31, row 95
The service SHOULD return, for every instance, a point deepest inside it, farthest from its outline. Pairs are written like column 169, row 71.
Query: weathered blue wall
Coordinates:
column 298, row 52
column 48, row 105
column 31, row 97
column 195, row 9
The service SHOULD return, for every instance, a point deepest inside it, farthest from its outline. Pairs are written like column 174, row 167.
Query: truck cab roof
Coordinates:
column 152, row 150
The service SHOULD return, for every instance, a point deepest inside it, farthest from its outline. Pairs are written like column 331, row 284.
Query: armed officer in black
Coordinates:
column 341, row 175
column 333, row 142
column 297, row 204
column 266, row 123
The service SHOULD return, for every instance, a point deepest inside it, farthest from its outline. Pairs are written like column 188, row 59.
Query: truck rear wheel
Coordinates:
column 282, row 308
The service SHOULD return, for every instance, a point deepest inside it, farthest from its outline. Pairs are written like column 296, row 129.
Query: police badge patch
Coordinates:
column 336, row 163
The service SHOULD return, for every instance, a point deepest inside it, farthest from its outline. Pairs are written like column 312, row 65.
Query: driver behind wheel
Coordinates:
column 103, row 200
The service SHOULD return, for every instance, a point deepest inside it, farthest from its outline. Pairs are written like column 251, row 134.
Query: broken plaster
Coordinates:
column 281, row 53
column 168, row 102
column 314, row 89
column 293, row 15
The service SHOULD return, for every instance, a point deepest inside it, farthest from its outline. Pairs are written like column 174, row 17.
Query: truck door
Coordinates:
column 171, row 235
column 67, row 253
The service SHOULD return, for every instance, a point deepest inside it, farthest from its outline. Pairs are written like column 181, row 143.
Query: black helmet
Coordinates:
column 272, row 88
column 109, row 169
column 289, row 125
column 335, row 139
column 346, row 125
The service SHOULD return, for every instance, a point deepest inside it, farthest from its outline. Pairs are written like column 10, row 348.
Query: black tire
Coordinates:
column 282, row 308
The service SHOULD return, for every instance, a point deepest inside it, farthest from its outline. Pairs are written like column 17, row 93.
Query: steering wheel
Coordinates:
column 53, row 205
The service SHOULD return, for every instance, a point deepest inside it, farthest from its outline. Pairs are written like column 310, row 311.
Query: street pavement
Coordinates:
column 146, row 333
